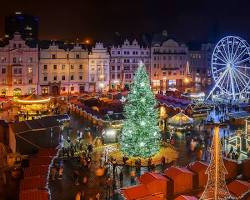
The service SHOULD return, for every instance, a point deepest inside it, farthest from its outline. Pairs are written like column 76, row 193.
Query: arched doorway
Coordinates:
column 55, row 90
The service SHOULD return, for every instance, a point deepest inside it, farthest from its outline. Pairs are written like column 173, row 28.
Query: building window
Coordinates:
column 30, row 59
column 55, row 78
column 45, row 78
column 127, row 76
column 118, row 68
column 14, row 46
column 3, row 70
column 19, row 45
column 126, row 67
column 53, row 56
column 45, row 67
column 63, row 67
column 30, row 81
column 17, row 71
column 77, row 56
column 63, row 77
column 80, row 77
column 63, row 89
column 67, row 56
column 113, row 68
column 55, row 67
column 45, row 90
column 80, row 66
column 113, row 76
column 72, row 88
column 14, row 60
column 29, row 70
column 72, row 67
column 172, row 83
column 118, row 76
column 72, row 77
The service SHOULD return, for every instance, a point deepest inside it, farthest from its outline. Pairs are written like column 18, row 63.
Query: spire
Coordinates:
column 216, row 188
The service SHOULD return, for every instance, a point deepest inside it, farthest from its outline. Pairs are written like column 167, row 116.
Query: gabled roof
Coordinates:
column 239, row 188
column 185, row 197
column 173, row 171
column 151, row 176
column 198, row 166
column 135, row 192
column 180, row 119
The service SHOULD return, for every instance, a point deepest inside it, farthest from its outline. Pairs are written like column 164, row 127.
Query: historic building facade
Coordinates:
column 18, row 68
column 124, row 62
column 98, row 71
column 169, row 65
column 200, row 66
column 63, row 71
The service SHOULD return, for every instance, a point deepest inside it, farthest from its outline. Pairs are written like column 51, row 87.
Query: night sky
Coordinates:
column 185, row 20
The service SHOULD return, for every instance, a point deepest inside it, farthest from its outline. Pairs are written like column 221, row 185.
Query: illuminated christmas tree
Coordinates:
column 216, row 188
column 140, row 134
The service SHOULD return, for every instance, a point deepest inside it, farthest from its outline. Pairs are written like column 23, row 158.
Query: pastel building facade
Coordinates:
column 18, row 68
column 169, row 65
column 124, row 61
column 98, row 68
column 63, row 71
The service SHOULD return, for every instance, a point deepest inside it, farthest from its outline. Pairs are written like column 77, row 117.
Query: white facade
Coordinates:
column 169, row 62
column 63, row 71
column 18, row 68
column 124, row 62
column 99, row 68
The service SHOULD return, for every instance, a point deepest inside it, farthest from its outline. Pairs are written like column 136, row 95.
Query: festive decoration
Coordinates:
column 140, row 134
column 216, row 188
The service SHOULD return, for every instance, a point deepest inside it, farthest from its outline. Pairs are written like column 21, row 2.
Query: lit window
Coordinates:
column 29, row 70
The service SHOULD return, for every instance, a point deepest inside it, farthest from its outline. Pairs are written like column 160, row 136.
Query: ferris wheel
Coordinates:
column 230, row 65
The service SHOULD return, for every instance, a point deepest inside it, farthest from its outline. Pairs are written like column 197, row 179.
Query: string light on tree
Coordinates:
column 140, row 134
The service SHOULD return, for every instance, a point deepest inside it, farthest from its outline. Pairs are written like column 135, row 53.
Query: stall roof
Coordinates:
column 239, row 188
column 239, row 115
column 38, row 124
column 180, row 119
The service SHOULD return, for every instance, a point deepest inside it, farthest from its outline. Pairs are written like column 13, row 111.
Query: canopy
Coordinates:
column 180, row 119
column 33, row 99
